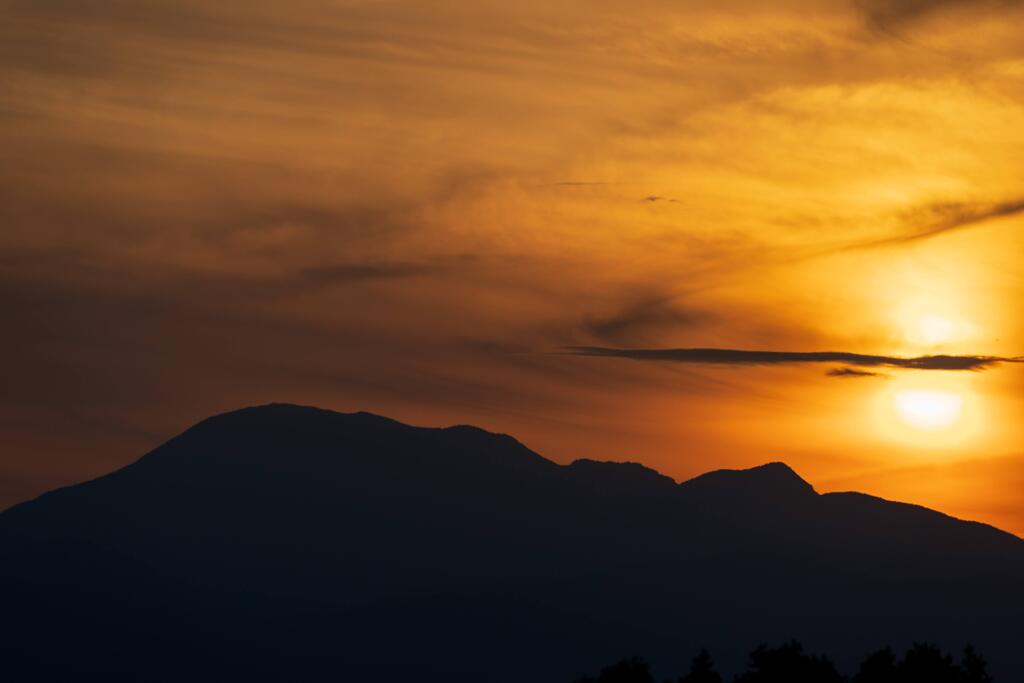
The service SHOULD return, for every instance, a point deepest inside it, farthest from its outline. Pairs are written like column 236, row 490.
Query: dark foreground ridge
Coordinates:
column 290, row 543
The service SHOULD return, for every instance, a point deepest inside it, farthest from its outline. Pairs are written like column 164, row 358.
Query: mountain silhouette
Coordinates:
column 290, row 543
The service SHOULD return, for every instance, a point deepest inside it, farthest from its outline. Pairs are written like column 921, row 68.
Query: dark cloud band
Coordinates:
column 743, row 357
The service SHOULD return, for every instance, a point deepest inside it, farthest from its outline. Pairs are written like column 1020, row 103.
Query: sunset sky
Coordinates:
column 504, row 213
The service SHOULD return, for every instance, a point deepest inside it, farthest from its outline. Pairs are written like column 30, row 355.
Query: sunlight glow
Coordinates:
column 928, row 330
column 935, row 414
column 935, row 329
column 927, row 409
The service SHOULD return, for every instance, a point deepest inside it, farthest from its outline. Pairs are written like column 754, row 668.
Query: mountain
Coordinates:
column 290, row 543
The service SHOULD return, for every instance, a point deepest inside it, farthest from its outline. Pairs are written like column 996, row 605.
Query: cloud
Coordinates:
column 580, row 183
column 886, row 13
column 930, row 221
column 648, row 315
column 744, row 357
column 358, row 272
column 947, row 217
column 852, row 373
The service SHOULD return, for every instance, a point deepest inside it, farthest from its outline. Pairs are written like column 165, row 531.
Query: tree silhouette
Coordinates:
column 788, row 664
column 632, row 670
column 922, row 663
column 878, row 667
column 975, row 668
column 702, row 670
column 925, row 663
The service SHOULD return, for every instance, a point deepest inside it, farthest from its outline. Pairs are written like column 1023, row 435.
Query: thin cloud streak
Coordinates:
column 955, row 217
column 710, row 356
column 852, row 373
column 344, row 273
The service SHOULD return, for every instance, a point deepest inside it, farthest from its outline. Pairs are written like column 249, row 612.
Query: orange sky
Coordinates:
column 414, row 208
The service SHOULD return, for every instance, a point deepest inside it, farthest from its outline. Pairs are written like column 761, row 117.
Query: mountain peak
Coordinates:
column 603, row 475
column 276, row 413
column 316, row 446
column 776, row 471
column 773, row 479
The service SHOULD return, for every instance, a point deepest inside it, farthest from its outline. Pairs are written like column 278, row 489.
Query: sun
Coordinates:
column 932, row 413
column 928, row 409
column 934, row 329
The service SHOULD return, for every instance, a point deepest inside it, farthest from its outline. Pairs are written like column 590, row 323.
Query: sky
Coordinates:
column 693, row 235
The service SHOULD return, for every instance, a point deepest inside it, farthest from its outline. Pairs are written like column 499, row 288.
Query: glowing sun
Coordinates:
column 928, row 409
column 935, row 329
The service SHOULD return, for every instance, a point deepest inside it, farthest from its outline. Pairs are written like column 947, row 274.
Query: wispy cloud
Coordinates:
column 710, row 356
column 937, row 219
column 344, row 273
column 922, row 223
column 581, row 183
column 647, row 315
column 886, row 13
column 852, row 373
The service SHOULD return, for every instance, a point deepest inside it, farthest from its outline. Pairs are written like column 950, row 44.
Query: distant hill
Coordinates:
column 290, row 543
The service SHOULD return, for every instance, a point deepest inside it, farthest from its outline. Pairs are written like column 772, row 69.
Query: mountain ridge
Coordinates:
column 353, row 528
column 767, row 474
